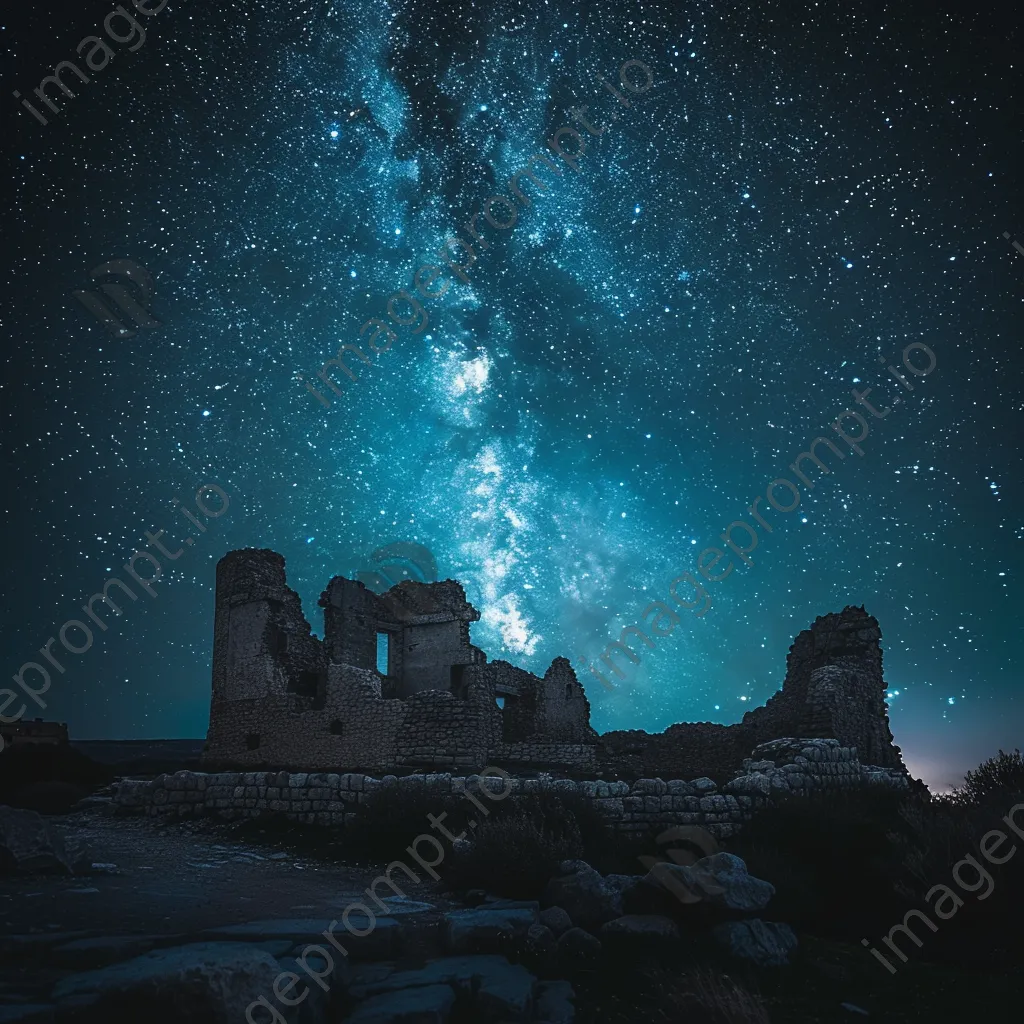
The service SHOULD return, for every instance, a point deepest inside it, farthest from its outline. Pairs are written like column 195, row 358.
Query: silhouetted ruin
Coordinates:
column 282, row 697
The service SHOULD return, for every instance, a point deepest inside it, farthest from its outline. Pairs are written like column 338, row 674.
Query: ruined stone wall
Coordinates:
column 439, row 730
column 535, row 754
column 648, row 805
column 684, row 751
column 563, row 712
column 350, row 623
column 833, row 689
column 355, row 728
column 283, row 698
column 429, row 650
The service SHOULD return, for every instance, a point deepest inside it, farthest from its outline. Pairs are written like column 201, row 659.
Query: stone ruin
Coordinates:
column 285, row 699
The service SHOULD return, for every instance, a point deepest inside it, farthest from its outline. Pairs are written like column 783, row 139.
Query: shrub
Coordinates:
column 49, row 779
column 388, row 821
column 837, row 860
column 513, row 855
column 997, row 781
column 716, row 999
column 518, row 846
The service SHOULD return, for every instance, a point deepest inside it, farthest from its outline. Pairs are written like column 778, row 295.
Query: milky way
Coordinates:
column 801, row 193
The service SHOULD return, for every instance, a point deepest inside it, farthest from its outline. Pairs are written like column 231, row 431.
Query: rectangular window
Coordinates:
column 382, row 653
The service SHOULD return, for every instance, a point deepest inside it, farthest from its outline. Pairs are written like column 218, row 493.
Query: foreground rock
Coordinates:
column 640, row 927
column 380, row 938
column 29, row 843
column 720, row 880
column 484, row 929
column 588, row 898
column 205, row 983
column 487, row 987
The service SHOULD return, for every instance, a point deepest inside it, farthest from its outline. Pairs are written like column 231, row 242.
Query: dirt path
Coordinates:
column 179, row 879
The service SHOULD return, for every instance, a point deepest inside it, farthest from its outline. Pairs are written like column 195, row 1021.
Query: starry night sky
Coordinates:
column 804, row 189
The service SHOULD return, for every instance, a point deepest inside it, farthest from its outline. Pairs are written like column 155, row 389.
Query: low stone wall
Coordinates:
column 648, row 805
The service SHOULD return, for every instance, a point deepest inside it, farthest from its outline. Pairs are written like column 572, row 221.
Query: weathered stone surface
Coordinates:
column 554, row 1002
column 721, row 880
column 577, row 947
column 430, row 1004
column 497, row 989
column 587, row 897
column 316, row 1003
column 211, row 981
column 383, row 940
column 765, row 943
column 541, row 942
column 461, row 972
column 505, row 995
column 640, row 927
column 29, row 843
column 482, row 929
column 556, row 919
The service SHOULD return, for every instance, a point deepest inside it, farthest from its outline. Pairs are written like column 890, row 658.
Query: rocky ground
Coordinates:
column 156, row 909
column 211, row 924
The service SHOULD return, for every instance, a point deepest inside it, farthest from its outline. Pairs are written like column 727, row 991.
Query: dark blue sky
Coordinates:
column 802, row 190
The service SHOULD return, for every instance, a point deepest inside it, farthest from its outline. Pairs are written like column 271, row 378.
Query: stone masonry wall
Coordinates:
column 833, row 689
column 647, row 805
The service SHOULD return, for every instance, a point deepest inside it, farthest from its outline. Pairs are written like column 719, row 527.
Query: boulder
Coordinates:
column 431, row 1004
column 29, row 843
column 381, row 936
column 589, row 899
column 462, row 973
column 556, row 919
column 316, row 999
column 541, row 941
column 484, row 929
column 495, row 989
column 577, row 948
column 765, row 943
column 720, row 880
column 505, row 995
column 640, row 927
column 212, row 982
column 554, row 1003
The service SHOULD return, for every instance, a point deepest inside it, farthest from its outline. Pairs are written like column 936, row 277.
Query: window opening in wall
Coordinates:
column 382, row 653
column 337, row 727
column 500, row 701
column 306, row 684
column 252, row 741
column 568, row 690
column 456, row 680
